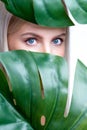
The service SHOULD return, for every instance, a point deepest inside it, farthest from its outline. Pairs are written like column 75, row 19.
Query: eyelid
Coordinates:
column 26, row 39
column 62, row 39
column 29, row 43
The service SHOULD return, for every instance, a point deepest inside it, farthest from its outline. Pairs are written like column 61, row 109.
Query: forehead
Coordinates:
column 18, row 25
column 34, row 27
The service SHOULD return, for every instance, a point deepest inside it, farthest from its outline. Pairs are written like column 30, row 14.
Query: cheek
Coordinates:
column 63, row 51
column 60, row 51
column 10, row 40
column 14, row 43
column 9, row 45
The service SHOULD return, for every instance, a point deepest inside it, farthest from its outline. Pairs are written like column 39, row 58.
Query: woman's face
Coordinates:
column 38, row 39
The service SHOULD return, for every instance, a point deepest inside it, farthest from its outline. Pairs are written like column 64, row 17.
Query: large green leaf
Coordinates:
column 78, row 9
column 38, row 85
column 44, row 12
column 77, row 118
column 10, row 119
column 79, row 99
column 21, row 8
column 34, row 85
column 51, row 13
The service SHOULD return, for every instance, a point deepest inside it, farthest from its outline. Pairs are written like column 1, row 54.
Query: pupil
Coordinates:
column 56, row 41
column 31, row 41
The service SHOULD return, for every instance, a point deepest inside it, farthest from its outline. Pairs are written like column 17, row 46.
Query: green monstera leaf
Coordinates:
column 21, row 8
column 78, row 9
column 79, row 99
column 34, row 86
column 10, row 119
column 43, row 12
column 33, row 92
column 51, row 13
column 77, row 117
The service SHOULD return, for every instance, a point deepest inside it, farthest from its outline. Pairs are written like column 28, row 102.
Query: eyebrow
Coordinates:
column 30, row 33
column 36, row 35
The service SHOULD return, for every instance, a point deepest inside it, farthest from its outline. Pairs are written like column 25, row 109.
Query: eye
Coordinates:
column 31, row 41
column 57, row 41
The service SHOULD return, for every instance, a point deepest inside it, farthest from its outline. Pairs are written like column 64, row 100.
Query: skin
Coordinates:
column 38, row 39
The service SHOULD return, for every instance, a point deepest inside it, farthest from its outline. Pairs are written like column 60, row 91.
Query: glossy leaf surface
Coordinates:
column 77, row 118
column 51, row 13
column 34, row 85
column 37, row 86
column 10, row 119
column 21, row 8
column 43, row 12
column 78, row 9
column 79, row 100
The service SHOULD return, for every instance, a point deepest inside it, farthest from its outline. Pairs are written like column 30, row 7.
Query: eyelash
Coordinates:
column 56, row 39
column 35, row 40
column 31, row 38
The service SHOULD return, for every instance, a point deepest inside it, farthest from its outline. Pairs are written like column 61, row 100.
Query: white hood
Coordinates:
column 4, row 21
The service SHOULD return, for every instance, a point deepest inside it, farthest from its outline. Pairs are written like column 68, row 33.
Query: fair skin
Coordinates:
column 38, row 39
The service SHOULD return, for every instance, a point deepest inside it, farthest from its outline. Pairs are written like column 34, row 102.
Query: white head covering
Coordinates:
column 5, row 16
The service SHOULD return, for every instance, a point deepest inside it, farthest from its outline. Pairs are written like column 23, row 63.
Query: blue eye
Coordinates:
column 31, row 41
column 57, row 41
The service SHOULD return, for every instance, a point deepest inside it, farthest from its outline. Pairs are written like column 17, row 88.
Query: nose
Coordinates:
column 46, row 48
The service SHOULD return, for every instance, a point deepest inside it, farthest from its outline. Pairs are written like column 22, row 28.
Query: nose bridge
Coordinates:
column 47, row 47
